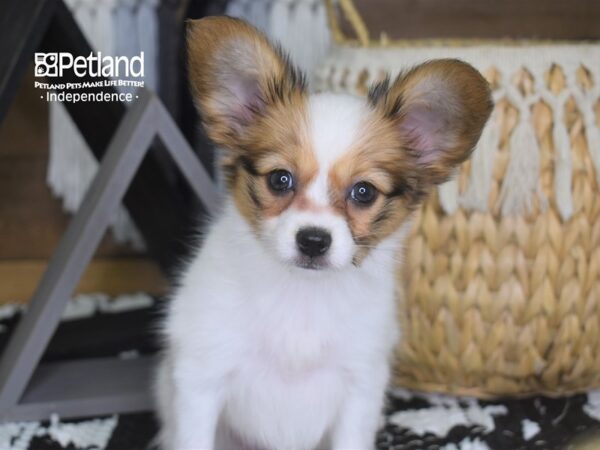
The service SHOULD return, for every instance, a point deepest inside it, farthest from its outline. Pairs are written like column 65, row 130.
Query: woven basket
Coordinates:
column 500, row 290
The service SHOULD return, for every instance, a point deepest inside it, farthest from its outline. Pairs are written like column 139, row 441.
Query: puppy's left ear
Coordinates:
column 439, row 108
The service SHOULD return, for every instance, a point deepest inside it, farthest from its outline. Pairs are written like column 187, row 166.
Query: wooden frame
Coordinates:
column 107, row 385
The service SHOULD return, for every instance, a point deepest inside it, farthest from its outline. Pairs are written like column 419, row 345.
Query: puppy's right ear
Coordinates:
column 235, row 73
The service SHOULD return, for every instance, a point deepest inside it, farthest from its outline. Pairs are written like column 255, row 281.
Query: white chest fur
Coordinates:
column 284, row 345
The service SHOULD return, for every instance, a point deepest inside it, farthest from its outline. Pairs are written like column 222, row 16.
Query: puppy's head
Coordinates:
column 322, row 179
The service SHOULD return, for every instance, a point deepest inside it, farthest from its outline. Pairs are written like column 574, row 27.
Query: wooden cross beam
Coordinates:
column 93, row 386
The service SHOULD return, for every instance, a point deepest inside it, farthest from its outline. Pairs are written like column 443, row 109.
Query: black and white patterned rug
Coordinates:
column 98, row 326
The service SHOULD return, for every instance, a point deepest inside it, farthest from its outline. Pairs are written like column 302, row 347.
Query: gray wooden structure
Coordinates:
column 29, row 390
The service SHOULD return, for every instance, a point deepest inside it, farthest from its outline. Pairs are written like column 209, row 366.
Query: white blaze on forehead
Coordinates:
column 335, row 123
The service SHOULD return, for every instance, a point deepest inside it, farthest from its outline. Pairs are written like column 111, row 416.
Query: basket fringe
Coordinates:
column 562, row 177
column 351, row 68
column 449, row 195
column 587, row 100
column 482, row 163
column 593, row 139
column 522, row 174
column 300, row 26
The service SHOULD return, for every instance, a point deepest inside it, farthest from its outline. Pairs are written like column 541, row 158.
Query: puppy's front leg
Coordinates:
column 196, row 408
column 360, row 417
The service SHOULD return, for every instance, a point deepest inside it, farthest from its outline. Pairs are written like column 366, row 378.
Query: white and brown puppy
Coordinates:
column 280, row 333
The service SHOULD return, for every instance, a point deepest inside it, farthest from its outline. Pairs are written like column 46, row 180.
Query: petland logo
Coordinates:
column 112, row 72
column 93, row 65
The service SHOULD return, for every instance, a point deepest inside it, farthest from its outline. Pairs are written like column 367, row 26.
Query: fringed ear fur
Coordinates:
column 439, row 108
column 235, row 73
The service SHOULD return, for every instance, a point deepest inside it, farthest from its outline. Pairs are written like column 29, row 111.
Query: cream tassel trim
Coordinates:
column 562, row 162
column 521, row 182
column 521, row 188
column 593, row 139
column 587, row 102
column 482, row 164
column 300, row 26
column 448, row 194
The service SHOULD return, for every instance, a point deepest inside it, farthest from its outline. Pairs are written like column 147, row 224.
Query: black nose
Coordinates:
column 313, row 241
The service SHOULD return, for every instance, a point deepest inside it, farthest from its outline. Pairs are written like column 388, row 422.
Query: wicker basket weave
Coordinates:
column 501, row 281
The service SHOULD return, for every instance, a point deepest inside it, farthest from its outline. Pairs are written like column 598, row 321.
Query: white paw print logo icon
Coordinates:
column 46, row 64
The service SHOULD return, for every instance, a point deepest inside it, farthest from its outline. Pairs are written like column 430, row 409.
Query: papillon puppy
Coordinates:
column 280, row 333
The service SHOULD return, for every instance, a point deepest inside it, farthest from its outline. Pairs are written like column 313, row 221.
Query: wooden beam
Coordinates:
column 87, row 387
column 112, row 276
column 492, row 19
column 146, row 119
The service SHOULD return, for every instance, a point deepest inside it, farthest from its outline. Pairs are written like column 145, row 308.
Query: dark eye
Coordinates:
column 280, row 181
column 363, row 193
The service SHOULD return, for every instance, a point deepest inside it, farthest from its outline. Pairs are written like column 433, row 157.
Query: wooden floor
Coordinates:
column 112, row 276
column 32, row 220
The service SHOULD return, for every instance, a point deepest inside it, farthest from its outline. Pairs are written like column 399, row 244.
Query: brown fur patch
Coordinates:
column 378, row 158
column 278, row 140
column 387, row 157
column 456, row 91
column 226, row 56
column 253, row 104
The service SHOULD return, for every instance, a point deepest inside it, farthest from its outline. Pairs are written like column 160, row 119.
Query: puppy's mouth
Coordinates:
column 311, row 262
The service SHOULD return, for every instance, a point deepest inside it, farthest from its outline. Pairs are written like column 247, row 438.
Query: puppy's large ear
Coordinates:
column 439, row 108
column 235, row 73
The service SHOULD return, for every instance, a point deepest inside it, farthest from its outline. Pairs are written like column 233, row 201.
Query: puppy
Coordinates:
column 280, row 333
